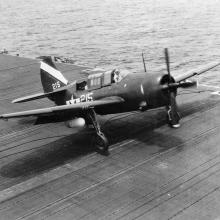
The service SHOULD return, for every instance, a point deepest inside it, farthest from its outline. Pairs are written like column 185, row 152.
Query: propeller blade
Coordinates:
column 145, row 70
column 185, row 84
column 167, row 63
column 172, row 110
column 188, row 84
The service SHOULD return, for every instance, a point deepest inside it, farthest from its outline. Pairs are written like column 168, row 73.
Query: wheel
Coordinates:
column 170, row 122
column 101, row 145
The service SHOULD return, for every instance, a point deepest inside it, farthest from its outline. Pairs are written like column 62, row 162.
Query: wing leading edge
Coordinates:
column 196, row 72
column 62, row 108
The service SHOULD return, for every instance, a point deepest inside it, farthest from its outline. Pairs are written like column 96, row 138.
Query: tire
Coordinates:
column 100, row 144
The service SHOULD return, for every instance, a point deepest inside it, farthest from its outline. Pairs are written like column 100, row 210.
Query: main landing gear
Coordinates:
column 99, row 142
column 173, row 117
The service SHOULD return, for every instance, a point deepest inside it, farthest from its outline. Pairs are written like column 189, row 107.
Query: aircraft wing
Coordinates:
column 196, row 72
column 72, row 108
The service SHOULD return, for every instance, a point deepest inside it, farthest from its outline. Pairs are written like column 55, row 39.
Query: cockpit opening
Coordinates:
column 81, row 85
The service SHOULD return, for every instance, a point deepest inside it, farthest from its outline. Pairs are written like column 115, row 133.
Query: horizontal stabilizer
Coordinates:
column 29, row 98
column 42, row 95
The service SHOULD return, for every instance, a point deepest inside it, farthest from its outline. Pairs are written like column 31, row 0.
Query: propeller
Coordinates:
column 168, row 64
column 171, row 83
column 172, row 109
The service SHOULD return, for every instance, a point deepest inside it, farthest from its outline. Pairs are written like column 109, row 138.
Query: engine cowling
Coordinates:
column 76, row 123
column 155, row 95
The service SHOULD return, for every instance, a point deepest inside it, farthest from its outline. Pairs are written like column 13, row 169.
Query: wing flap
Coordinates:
column 196, row 72
column 63, row 108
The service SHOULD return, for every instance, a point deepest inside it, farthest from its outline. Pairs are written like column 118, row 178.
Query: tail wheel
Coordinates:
column 100, row 143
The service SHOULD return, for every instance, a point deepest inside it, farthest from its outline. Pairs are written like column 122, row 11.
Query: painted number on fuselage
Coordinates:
column 83, row 98
column 56, row 85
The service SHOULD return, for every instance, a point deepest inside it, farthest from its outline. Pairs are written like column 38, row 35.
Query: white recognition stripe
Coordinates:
column 55, row 73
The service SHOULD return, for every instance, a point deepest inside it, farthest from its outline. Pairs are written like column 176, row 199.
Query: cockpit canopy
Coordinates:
column 98, row 78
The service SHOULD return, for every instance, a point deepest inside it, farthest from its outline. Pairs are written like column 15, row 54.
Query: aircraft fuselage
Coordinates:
column 140, row 92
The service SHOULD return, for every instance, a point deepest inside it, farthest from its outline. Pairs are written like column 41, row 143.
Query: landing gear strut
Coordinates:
column 99, row 142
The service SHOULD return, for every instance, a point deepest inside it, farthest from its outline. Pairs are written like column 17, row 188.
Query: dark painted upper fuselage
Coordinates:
column 140, row 91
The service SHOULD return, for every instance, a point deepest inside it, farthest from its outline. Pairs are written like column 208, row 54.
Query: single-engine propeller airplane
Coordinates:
column 106, row 92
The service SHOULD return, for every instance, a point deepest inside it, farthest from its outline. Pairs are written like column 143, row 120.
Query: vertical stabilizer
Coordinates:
column 51, row 77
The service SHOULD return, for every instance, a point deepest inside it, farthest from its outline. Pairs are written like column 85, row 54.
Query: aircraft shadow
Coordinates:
column 121, row 129
column 48, row 156
column 73, row 146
